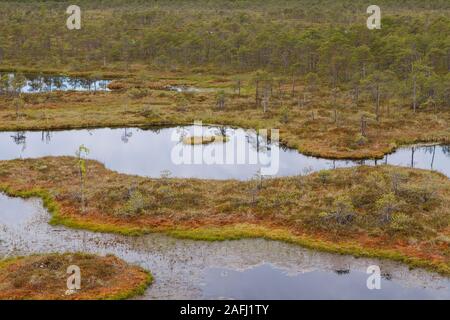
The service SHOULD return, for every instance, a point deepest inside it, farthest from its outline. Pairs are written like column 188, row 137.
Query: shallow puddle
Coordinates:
column 244, row 269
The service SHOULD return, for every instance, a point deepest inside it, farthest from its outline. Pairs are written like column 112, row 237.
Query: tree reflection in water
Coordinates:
column 20, row 138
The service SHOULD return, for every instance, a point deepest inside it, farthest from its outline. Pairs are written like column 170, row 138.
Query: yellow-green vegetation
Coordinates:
column 194, row 140
column 44, row 277
column 389, row 212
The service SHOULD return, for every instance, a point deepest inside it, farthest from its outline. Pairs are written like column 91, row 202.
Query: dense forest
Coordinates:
column 319, row 41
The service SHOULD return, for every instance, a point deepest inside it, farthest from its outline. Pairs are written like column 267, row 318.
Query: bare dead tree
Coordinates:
column 363, row 126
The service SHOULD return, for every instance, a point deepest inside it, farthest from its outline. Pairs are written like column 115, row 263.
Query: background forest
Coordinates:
column 323, row 42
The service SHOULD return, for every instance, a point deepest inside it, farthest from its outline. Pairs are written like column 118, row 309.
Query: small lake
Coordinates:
column 243, row 269
column 35, row 83
column 155, row 151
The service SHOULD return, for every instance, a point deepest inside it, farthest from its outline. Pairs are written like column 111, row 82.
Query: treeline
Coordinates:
column 327, row 40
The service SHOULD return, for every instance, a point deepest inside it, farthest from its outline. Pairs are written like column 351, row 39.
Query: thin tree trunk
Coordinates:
column 363, row 126
column 356, row 95
column 257, row 93
column 432, row 159
column 82, row 190
column 378, row 103
column 414, row 95
column 293, row 86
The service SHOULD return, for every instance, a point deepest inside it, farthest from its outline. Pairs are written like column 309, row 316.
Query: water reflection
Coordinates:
column 244, row 269
column 20, row 139
column 150, row 152
column 33, row 83
column 269, row 282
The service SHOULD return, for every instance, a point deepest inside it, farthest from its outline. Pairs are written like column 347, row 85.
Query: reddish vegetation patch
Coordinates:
column 383, row 208
column 44, row 277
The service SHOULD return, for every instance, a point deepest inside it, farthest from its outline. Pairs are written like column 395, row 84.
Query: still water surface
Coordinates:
column 153, row 151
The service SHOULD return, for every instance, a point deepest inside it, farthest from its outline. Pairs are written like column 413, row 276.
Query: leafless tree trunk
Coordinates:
column 83, row 206
column 335, row 104
column 266, row 99
column 432, row 159
column 378, row 103
column 414, row 95
column 293, row 86
column 257, row 93
column 220, row 102
column 363, row 126
column 356, row 95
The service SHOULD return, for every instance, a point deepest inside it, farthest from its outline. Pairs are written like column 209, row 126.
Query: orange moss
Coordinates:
column 44, row 277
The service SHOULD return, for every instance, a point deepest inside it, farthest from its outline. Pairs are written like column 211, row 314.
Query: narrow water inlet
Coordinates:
column 241, row 269
column 150, row 152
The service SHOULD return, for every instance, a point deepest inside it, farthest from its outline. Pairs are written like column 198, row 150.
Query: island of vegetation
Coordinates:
column 194, row 140
column 388, row 212
column 44, row 277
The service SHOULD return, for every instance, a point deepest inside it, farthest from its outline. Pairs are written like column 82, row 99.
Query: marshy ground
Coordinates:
column 311, row 121
column 385, row 211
